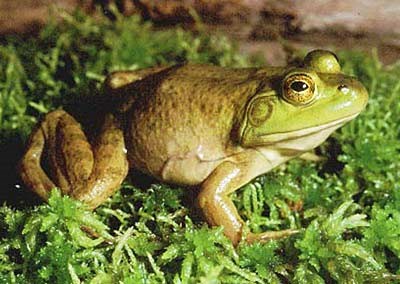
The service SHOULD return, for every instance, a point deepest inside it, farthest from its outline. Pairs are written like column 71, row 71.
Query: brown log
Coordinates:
column 257, row 24
column 26, row 16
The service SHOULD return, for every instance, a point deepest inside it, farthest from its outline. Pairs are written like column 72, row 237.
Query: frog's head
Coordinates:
column 303, row 104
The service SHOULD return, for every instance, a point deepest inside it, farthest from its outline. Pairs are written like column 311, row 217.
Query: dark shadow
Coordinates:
column 332, row 164
column 12, row 192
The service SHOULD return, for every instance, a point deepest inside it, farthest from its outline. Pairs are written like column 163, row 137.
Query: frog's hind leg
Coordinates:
column 110, row 165
column 30, row 166
column 86, row 174
column 59, row 145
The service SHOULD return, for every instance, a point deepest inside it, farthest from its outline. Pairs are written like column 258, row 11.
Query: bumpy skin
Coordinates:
column 214, row 127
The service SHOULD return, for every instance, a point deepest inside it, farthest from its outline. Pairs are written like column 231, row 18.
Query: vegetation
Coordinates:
column 347, row 207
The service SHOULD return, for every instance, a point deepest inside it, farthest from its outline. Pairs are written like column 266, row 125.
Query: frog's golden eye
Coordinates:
column 299, row 89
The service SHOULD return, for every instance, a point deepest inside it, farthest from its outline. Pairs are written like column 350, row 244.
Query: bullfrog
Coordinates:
column 210, row 127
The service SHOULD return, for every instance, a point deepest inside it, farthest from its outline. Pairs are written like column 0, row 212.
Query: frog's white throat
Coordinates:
column 296, row 142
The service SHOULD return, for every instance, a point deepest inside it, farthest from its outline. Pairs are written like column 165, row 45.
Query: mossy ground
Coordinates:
column 347, row 207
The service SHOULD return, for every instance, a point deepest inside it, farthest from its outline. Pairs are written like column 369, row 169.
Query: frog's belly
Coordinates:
column 165, row 162
column 187, row 170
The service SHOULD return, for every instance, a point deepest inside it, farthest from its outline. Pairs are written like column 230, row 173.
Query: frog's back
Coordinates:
column 186, row 114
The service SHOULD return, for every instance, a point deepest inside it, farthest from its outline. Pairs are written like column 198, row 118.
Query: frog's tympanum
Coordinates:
column 196, row 125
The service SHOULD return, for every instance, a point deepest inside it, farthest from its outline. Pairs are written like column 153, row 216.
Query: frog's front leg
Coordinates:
column 219, row 209
column 85, row 174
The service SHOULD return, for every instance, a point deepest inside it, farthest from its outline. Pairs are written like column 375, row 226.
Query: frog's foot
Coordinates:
column 85, row 174
column 270, row 235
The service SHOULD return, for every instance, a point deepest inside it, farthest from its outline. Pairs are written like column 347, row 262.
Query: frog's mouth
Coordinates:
column 323, row 129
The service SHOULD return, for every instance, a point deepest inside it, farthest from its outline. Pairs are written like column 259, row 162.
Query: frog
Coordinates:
column 196, row 125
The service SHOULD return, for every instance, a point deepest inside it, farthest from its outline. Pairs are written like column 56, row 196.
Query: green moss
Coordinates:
column 347, row 207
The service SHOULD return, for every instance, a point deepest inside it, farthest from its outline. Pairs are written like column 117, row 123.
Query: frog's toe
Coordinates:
column 312, row 157
column 270, row 235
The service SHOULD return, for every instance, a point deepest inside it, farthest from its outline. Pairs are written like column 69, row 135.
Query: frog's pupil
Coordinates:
column 299, row 86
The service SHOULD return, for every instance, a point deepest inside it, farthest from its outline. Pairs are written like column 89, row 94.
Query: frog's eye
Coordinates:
column 299, row 89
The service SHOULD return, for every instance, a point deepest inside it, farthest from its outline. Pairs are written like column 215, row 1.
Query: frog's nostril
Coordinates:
column 344, row 89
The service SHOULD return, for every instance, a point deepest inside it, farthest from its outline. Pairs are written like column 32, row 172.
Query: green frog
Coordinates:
column 212, row 127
